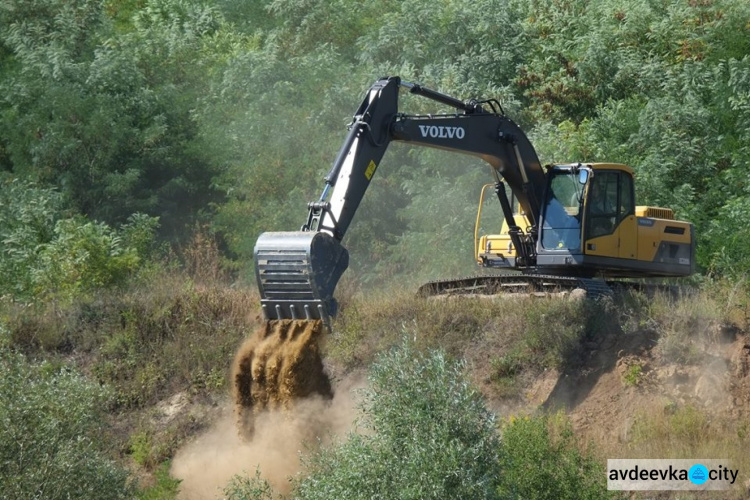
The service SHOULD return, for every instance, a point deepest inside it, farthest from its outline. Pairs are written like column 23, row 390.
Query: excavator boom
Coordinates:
column 297, row 272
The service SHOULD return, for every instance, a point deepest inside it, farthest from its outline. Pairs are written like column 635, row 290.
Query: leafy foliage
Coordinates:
column 47, row 255
column 106, row 118
column 49, row 446
column 27, row 219
column 542, row 461
column 249, row 488
column 166, row 487
column 230, row 112
column 427, row 435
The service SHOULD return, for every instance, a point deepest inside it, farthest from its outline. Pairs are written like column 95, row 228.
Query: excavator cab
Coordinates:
column 591, row 226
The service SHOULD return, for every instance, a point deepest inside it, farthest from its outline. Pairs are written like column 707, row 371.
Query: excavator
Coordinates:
column 564, row 226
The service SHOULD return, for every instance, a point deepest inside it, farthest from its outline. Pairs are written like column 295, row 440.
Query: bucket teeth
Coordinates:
column 297, row 273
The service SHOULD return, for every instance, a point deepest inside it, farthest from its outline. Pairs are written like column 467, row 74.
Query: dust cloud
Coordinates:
column 283, row 405
column 207, row 464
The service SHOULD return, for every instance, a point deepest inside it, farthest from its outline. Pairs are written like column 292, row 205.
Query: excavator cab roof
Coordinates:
column 595, row 166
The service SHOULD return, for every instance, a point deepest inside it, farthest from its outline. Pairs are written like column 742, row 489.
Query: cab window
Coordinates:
column 610, row 201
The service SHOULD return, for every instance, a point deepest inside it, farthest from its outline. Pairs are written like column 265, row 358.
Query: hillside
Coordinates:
column 661, row 376
column 633, row 376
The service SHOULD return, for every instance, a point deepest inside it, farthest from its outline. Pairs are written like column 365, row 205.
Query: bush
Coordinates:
column 49, row 423
column 48, row 255
column 541, row 461
column 427, row 434
column 249, row 488
column 82, row 257
column 165, row 487
column 27, row 220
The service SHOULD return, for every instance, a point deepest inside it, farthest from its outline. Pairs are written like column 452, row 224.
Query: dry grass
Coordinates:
column 689, row 322
column 688, row 433
column 170, row 332
column 502, row 338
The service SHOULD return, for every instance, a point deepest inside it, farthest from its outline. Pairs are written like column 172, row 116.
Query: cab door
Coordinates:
column 610, row 226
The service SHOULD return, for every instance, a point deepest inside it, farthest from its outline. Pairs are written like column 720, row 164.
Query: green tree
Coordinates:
column 105, row 114
column 47, row 254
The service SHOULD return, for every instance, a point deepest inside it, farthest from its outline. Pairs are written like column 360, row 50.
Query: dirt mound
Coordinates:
column 623, row 377
column 276, row 366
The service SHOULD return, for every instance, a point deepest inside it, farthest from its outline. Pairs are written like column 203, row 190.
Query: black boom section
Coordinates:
column 488, row 135
column 357, row 160
column 494, row 138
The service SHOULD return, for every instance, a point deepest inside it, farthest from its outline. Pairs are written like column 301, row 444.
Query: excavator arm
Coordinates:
column 297, row 272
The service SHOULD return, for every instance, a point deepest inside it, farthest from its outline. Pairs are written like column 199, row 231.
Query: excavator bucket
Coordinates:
column 297, row 273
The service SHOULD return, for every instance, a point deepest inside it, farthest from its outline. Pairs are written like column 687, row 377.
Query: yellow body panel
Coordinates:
column 628, row 234
column 604, row 246
column 639, row 237
column 622, row 243
column 500, row 243
column 653, row 233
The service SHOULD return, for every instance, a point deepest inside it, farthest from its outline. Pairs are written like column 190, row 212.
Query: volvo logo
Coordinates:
column 440, row 132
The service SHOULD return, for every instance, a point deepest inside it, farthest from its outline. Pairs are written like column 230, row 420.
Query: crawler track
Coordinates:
column 534, row 283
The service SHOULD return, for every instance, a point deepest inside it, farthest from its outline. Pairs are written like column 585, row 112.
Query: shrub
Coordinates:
column 249, row 488
column 82, row 256
column 45, row 254
column 541, row 461
column 427, row 435
column 633, row 375
column 165, row 487
column 27, row 219
column 49, row 424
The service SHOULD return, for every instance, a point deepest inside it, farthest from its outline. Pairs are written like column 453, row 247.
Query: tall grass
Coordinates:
column 167, row 332
column 499, row 337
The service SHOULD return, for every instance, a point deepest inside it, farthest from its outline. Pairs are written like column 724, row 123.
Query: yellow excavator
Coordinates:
column 563, row 224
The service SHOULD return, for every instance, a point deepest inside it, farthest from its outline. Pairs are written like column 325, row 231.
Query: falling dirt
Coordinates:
column 277, row 366
column 283, row 405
